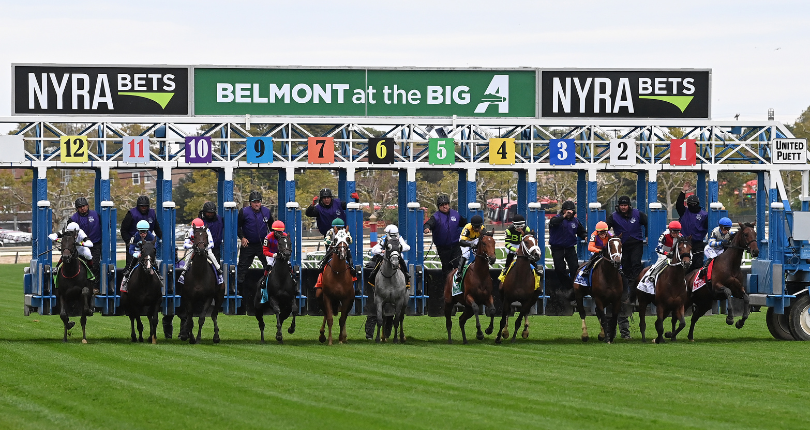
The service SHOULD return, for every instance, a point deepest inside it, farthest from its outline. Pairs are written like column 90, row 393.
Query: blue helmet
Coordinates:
column 143, row 225
column 724, row 222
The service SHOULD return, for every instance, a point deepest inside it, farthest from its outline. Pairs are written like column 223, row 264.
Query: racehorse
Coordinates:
column 519, row 286
column 670, row 291
column 72, row 284
column 338, row 290
column 389, row 287
column 201, row 288
column 281, row 291
column 726, row 279
column 144, row 290
column 606, row 289
column 477, row 290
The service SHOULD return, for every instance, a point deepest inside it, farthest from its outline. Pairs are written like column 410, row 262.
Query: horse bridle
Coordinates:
column 747, row 245
column 527, row 251
column 389, row 253
column 612, row 254
column 70, row 256
column 479, row 245
column 198, row 240
column 675, row 244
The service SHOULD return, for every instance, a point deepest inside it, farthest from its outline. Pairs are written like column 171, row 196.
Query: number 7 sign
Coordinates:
column 136, row 149
column 682, row 152
column 320, row 150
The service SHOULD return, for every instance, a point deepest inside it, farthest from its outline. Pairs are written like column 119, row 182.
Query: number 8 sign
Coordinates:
column 441, row 151
column 562, row 152
column 198, row 149
column 682, row 152
column 259, row 149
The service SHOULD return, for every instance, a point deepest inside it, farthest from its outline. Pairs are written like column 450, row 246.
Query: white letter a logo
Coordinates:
column 498, row 90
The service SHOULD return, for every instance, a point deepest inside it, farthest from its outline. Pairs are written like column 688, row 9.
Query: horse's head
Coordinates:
column 147, row 257
column 613, row 248
column 529, row 247
column 342, row 250
column 486, row 246
column 68, row 246
column 393, row 250
column 746, row 238
column 683, row 250
column 200, row 240
column 284, row 247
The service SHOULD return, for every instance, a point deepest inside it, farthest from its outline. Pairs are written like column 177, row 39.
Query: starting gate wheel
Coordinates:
column 799, row 319
column 778, row 325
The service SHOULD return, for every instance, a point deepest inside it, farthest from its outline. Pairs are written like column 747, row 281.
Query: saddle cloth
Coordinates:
column 699, row 282
column 182, row 278
column 506, row 272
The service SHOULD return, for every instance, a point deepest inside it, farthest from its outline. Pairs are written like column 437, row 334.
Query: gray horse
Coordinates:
column 389, row 287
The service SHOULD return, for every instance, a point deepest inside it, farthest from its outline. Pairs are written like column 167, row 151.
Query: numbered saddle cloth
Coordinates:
column 586, row 278
column 537, row 278
column 458, row 287
column 699, row 282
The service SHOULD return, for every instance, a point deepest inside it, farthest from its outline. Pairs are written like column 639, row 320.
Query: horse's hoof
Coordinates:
column 480, row 336
column 396, row 341
column 140, row 340
column 183, row 338
column 191, row 340
column 740, row 324
column 729, row 320
column 585, row 338
column 505, row 333
column 601, row 338
column 216, row 339
column 514, row 339
column 488, row 332
column 154, row 340
column 134, row 339
column 497, row 341
column 291, row 330
column 465, row 342
column 262, row 341
column 279, row 338
column 525, row 334
column 322, row 338
column 84, row 341
column 449, row 342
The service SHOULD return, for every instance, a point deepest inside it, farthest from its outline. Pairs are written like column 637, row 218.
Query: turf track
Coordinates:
column 728, row 379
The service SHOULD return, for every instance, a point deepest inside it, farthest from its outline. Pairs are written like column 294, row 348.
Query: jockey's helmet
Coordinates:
column 477, row 221
column 72, row 227
column 725, row 222
column 674, row 225
column 278, row 225
column 391, row 229
column 197, row 223
column 337, row 222
column 601, row 226
column 518, row 221
column 143, row 225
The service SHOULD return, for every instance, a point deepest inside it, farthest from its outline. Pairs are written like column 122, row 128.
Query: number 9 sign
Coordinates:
column 622, row 152
column 381, row 151
column 441, row 151
column 562, row 152
column 259, row 149
column 74, row 149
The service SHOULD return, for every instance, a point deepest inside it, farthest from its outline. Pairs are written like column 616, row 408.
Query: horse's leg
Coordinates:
column 87, row 296
column 201, row 320
column 83, row 321
column 701, row 306
column 491, row 312
column 502, row 330
column 580, row 298
column 746, row 306
column 462, row 320
column 153, row 323
column 614, row 319
column 344, row 313
column 681, row 322
column 329, row 317
column 140, row 328
column 279, row 320
column 600, row 315
column 64, row 316
column 642, row 315
column 519, row 319
column 215, row 313
column 260, row 319
column 476, row 310
column 402, row 308
column 378, row 302
column 294, row 311
column 322, row 337
column 659, row 322
column 448, row 321
column 132, row 328
column 189, row 322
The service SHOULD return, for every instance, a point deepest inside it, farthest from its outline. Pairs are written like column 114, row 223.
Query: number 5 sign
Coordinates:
column 136, row 149
column 198, row 149
column 74, row 149
column 622, row 152
column 682, row 152
column 441, row 151
column 562, row 152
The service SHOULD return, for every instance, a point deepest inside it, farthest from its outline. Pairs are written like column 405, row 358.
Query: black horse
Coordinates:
column 144, row 292
column 200, row 289
column 281, row 291
column 72, row 285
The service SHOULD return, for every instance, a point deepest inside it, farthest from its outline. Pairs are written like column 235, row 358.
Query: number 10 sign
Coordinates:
column 198, row 149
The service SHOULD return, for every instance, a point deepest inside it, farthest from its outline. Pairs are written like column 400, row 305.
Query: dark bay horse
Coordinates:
column 338, row 290
column 200, row 289
column 518, row 286
column 670, row 291
column 727, row 279
column 281, row 291
column 389, row 287
column 73, row 285
column 144, row 291
column 477, row 290
column 606, row 289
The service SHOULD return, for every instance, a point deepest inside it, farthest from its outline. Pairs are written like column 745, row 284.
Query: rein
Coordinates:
column 675, row 244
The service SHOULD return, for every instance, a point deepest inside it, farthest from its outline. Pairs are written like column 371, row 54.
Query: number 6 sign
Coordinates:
column 381, row 151
column 562, row 152
column 441, row 151
column 198, row 149
column 682, row 152
column 622, row 152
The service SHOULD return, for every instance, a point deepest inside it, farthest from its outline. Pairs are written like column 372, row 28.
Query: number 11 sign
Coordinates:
column 136, row 149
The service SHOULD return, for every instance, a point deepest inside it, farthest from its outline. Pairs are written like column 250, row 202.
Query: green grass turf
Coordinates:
column 728, row 379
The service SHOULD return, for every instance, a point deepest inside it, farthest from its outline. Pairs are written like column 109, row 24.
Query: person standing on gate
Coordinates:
column 695, row 222
column 563, row 231
column 325, row 208
column 90, row 223
column 628, row 222
column 254, row 223
column 141, row 212
column 446, row 225
column 215, row 224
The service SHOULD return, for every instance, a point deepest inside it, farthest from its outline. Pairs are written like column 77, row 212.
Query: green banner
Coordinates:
column 364, row 92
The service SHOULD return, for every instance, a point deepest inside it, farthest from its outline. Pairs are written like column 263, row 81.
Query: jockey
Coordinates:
column 664, row 248
column 469, row 238
column 719, row 239
column 378, row 251
column 270, row 245
column 135, row 246
column 188, row 243
column 597, row 242
column 337, row 226
column 83, row 244
column 514, row 236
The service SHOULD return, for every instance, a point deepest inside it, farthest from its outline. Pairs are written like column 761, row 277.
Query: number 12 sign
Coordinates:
column 136, row 149
column 198, row 149
column 622, row 152
column 682, row 152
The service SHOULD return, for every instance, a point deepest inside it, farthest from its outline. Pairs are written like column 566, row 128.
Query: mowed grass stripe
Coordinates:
column 729, row 378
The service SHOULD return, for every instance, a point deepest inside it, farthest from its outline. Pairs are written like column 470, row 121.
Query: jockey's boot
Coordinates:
column 460, row 270
column 352, row 269
column 325, row 260
column 127, row 273
column 509, row 258
column 702, row 273
column 406, row 272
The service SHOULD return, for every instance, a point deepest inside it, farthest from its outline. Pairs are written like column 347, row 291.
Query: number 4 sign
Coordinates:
column 622, row 152
column 136, row 149
column 682, row 152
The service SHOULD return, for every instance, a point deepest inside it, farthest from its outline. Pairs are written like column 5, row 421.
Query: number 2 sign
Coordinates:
column 622, row 152
column 682, row 152
column 136, row 149
column 321, row 150
column 198, row 149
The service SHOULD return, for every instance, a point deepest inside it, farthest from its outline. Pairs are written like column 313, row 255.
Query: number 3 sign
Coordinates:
column 622, row 152
column 562, row 152
column 682, row 152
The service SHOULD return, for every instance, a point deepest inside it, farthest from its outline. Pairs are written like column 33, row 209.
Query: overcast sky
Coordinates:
column 758, row 51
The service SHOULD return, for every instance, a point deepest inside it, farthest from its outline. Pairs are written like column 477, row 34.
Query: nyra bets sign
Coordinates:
column 43, row 89
column 365, row 92
column 578, row 93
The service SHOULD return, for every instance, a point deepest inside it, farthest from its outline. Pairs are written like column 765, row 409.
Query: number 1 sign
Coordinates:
column 682, row 152
column 136, row 149
column 622, row 152
column 198, row 149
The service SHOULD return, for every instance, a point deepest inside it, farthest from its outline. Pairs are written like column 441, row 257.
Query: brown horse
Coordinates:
column 727, row 279
column 201, row 289
column 606, row 289
column 670, row 291
column 477, row 289
column 338, row 291
column 518, row 286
